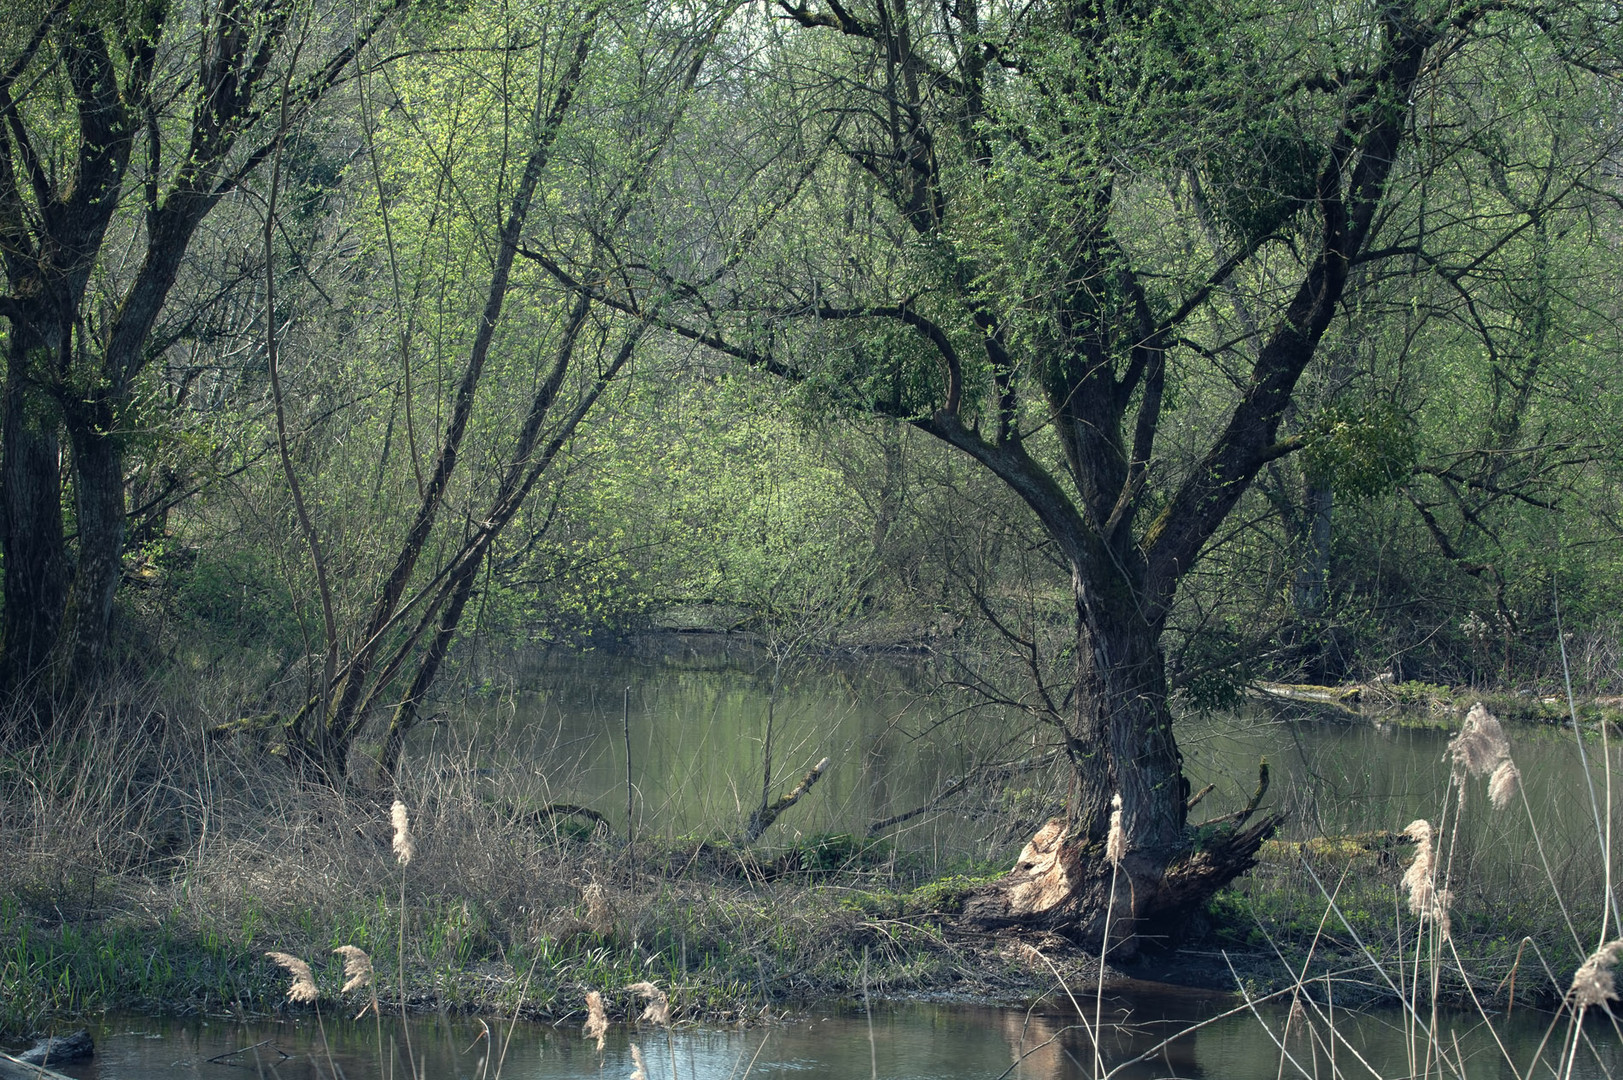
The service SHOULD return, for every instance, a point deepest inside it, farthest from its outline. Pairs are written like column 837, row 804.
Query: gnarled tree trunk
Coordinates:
column 1063, row 883
column 1121, row 743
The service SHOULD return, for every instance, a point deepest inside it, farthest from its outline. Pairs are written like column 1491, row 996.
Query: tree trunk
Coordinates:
column 1312, row 584
column 1063, row 883
column 407, row 713
column 36, row 570
column 1121, row 693
column 1122, row 744
column 98, row 480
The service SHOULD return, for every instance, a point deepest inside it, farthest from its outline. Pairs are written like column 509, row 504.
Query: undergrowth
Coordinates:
column 147, row 865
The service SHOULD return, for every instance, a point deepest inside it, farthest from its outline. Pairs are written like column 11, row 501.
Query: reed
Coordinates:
column 1420, row 974
column 597, row 1022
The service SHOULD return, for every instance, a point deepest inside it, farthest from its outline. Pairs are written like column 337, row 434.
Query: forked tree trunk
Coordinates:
column 1122, row 743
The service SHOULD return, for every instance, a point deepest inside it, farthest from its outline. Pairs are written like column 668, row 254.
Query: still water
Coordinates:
column 923, row 1041
column 695, row 723
column 691, row 728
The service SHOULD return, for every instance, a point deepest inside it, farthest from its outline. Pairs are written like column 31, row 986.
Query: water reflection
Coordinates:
column 920, row 1041
column 696, row 724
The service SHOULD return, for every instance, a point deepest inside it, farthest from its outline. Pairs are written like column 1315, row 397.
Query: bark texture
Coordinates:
column 1063, row 883
column 36, row 568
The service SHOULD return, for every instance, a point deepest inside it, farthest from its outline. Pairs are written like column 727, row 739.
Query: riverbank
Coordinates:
column 517, row 922
column 143, row 865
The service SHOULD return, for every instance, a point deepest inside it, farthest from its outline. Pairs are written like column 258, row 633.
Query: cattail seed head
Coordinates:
column 597, row 1025
column 357, row 967
column 1593, row 985
column 658, row 1008
column 1116, row 842
column 405, row 846
column 303, row 991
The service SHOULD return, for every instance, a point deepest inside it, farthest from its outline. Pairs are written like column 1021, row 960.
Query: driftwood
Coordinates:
column 542, row 816
column 763, row 818
column 1340, row 700
column 12, row 1069
column 18, row 1069
column 60, row 1048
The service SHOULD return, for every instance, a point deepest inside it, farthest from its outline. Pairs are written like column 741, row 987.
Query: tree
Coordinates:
column 1095, row 248
column 167, row 114
column 585, row 98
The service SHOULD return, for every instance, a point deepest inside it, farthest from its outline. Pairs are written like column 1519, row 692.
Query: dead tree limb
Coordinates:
column 762, row 819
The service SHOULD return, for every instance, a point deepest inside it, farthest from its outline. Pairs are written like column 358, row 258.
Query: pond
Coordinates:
column 695, row 721
column 906, row 1041
column 689, row 729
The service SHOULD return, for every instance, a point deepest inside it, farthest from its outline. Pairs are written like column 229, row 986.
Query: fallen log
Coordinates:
column 1342, row 701
column 59, row 1048
column 13, row 1069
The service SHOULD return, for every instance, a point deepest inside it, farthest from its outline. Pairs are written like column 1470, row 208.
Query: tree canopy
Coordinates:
column 1168, row 343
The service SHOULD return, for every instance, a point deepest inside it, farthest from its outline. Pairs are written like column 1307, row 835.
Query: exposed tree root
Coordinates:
column 1066, row 886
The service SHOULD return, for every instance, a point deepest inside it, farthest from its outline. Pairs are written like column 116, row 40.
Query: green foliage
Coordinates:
column 1361, row 450
column 1262, row 183
column 1214, row 672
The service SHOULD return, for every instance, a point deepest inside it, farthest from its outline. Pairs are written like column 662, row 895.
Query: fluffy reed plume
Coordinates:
column 303, row 991
column 1502, row 786
column 405, row 846
column 1420, row 880
column 658, row 1009
column 357, row 967
column 599, row 915
column 1480, row 744
column 1029, row 954
column 597, row 1025
column 1116, row 842
column 1481, row 749
column 1593, row 985
column 1417, row 880
column 637, row 1073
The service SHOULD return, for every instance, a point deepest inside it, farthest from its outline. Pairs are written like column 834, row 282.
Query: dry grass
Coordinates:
column 135, row 829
